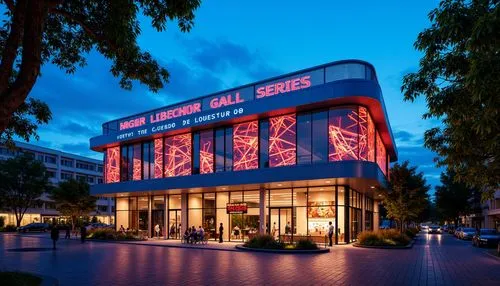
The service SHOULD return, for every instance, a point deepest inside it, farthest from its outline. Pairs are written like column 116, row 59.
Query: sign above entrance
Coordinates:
column 236, row 208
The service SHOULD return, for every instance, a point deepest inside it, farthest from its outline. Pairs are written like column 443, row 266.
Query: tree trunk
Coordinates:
column 15, row 95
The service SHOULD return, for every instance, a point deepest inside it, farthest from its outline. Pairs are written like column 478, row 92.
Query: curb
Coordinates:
column 279, row 251
column 408, row 246
column 157, row 245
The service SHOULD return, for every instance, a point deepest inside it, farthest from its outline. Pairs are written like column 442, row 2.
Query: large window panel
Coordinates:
column 282, row 141
column 229, row 149
column 366, row 136
column 246, row 146
column 381, row 154
column 219, row 150
column 137, row 164
column 178, row 155
column 343, row 134
column 207, row 152
column 158, row 157
column 304, row 138
column 124, row 163
column 113, row 165
column 320, row 137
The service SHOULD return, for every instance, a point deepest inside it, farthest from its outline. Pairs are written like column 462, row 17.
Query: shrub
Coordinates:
column 390, row 237
column 305, row 244
column 2, row 221
column 264, row 241
column 110, row 234
column 411, row 232
column 10, row 227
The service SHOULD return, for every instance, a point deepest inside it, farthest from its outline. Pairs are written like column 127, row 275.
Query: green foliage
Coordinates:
column 306, row 244
column 407, row 198
column 24, row 180
column 19, row 278
column 454, row 199
column 459, row 78
column 411, row 232
column 390, row 237
column 110, row 234
column 63, row 33
column 8, row 228
column 264, row 241
column 73, row 199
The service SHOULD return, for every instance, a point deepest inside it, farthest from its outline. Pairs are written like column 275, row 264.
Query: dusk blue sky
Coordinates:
column 233, row 44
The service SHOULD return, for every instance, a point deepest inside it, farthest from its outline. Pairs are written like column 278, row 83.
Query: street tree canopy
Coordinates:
column 23, row 180
column 73, row 199
column 459, row 76
column 63, row 32
column 407, row 197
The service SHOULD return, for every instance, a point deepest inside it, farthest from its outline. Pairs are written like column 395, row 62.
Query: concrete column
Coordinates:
column 166, row 226
column 363, row 212
column 150, row 220
column 184, row 212
column 262, row 211
column 376, row 217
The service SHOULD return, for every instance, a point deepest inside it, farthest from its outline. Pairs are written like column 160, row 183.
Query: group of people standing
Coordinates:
column 193, row 235
column 54, row 234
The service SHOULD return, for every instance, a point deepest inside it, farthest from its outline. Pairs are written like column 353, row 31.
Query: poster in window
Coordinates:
column 321, row 209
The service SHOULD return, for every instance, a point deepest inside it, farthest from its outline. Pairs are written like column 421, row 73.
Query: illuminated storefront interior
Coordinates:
column 223, row 172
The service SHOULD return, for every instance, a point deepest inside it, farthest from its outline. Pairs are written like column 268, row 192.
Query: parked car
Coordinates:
column 434, row 229
column 488, row 237
column 467, row 233
column 457, row 232
column 424, row 227
column 35, row 226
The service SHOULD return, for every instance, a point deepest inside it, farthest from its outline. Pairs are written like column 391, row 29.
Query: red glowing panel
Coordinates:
column 206, row 152
column 136, row 163
column 158, row 169
column 381, row 154
column 178, row 155
column 112, row 165
column 282, row 141
column 366, row 136
column 343, row 134
column 246, row 146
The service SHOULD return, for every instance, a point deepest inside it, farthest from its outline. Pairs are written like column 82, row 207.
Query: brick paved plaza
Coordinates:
column 434, row 259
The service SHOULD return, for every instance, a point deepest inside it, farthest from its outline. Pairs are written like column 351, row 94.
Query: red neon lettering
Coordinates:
column 295, row 84
column 261, row 92
column 133, row 123
column 284, row 86
column 305, row 81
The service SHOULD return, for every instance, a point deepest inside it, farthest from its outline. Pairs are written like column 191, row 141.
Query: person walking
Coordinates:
column 221, row 231
column 54, row 235
column 157, row 230
column 68, row 232
column 83, row 233
column 330, row 233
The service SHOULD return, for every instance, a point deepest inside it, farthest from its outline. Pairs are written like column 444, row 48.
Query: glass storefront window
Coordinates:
column 320, row 137
column 197, row 153
column 246, row 146
column 219, row 150
column 304, row 138
column 320, row 210
column 264, row 143
column 282, row 141
column 252, row 198
column 207, row 152
column 137, row 163
column 343, row 134
column 229, row 149
column 178, row 155
column 341, row 195
column 195, row 201
column 174, row 202
column 281, row 197
column 236, row 197
column 158, row 217
column 299, row 196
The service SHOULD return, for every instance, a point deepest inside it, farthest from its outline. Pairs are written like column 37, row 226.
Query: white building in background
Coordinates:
column 60, row 166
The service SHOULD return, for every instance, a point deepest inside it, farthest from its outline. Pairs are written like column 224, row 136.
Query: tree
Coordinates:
column 24, row 180
column 73, row 199
column 407, row 197
column 459, row 77
column 63, row 32
column 455, row 199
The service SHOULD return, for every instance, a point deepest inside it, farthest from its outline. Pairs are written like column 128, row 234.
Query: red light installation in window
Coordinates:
column 178, row 155
column 381, row 154
column 136, row 163
column 158, row 167
column 282, row 141
column 246, row 146
column 207, row 152
column 343, row 134
column 113, row 164
column 366, row 136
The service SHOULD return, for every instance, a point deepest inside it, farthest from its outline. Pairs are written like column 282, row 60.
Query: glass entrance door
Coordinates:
column 281, row 223
column 158, row 227
column 174, row 222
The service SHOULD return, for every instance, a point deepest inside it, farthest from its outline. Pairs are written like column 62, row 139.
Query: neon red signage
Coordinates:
column 236, row 208
column 284, row 86
column 226, row 100
column 176, row 112
column 133, row 123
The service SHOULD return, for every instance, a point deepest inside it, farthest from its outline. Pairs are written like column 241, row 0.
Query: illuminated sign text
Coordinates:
column 284, row 86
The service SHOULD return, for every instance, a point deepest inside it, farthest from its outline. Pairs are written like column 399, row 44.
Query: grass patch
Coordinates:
column 390, row 237
column 9, row 278
column 266, row 241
